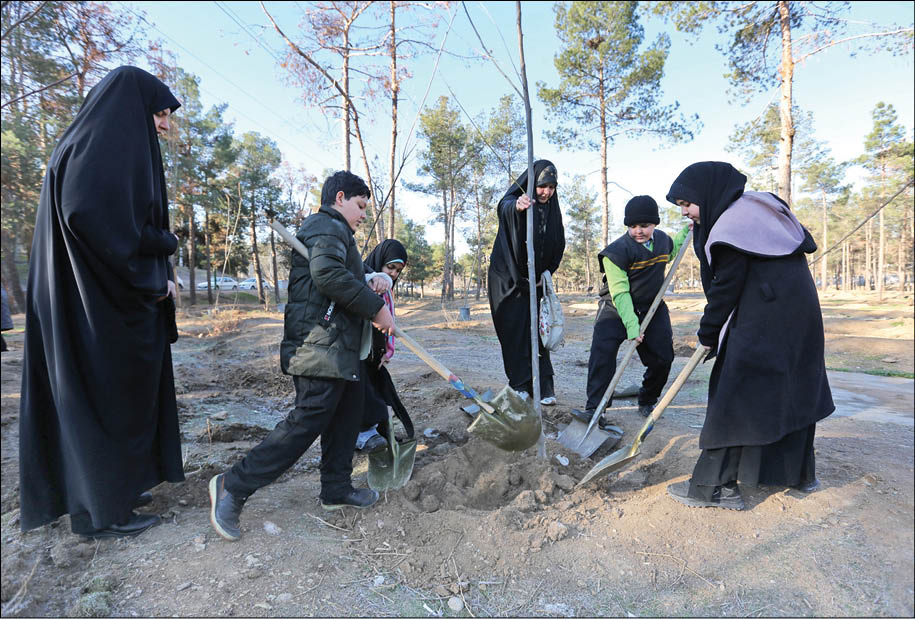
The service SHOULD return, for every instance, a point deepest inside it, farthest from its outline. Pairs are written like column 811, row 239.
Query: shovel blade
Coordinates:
column 390, row 468
column 571, row 438
column 616, row 461
column 513, row 425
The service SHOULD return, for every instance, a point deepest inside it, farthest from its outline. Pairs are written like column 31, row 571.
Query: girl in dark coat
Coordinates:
column 507, row 281
column 388, row 257
column 762, row 322
column 98, row 421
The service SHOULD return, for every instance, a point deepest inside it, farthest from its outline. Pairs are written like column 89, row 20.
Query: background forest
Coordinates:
column 351, row 60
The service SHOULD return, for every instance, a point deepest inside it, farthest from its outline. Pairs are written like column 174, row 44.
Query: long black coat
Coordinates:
column 763, row 312
column 98, row 419
column 507, row 281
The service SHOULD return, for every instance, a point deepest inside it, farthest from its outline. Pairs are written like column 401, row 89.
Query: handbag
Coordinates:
column 551, row 321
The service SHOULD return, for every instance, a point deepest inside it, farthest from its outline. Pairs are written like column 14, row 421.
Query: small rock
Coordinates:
column 441, row 449
column 183, row 586
column 563, row 481
column 536, row 541
column 182, row 502
column 430, row 433
column 96, row 604
column 84, row 550
column 284, row 598
column 271, row 528
column 430, row 504
column 525, row 501
column 380, row 524
column 252, row 561
column 100, row 584
column 556, row 531
column 220, row 416
column 253, row 573
column 441, row 591
column 514, row 477
column 455, row 604
column 412, row 491
column 378, row 581
column 61, row 556
column 561, row 610
column 541, row 496
column 200, row 543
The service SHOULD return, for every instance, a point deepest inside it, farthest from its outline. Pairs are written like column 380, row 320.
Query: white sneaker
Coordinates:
column 548, row 401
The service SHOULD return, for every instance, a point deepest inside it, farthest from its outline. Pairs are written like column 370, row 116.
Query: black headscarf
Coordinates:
column 384, row 253
column 713, row 186
column 98, row 420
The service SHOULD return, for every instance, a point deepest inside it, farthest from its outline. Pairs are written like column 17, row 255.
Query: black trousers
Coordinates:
column 788, row 461
column 656, row 352
column 329, row 408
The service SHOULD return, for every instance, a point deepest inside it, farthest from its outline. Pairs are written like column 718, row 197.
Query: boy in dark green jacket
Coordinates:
column 633, row 266
column 325, row 329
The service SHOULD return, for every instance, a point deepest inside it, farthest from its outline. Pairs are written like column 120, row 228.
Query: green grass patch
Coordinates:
column 889, row 373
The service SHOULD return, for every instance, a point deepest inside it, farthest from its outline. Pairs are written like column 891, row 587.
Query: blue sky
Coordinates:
column 234, row 68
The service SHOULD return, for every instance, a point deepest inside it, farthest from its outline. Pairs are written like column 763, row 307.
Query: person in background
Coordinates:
column 508, row 286
column 763, row 326
column 98, row 422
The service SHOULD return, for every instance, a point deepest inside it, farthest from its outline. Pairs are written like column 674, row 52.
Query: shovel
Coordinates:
column 391, row 467
column 507, row 421
column 622, row 457
column 585, row 440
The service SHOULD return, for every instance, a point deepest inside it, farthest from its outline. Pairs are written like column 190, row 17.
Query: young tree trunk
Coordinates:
column 346, row 100
column 11, row 276
column 446, row 271
column 868, row 259
column 605, row 211
column 395, row 91
column 881, row 258
column 823, row 268
column 191, row 255
column 256, row 257
column 786, row 140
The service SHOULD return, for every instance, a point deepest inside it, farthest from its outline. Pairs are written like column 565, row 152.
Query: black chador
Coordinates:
column 98, row 419
column 508, row 285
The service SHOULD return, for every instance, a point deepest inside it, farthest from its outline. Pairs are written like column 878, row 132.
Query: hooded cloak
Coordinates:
column 507, row 284
column 98, row 417
column 763, row 312
column 389, row 250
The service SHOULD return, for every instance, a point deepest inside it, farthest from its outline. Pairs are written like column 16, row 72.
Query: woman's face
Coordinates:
column 545, row 192
column 160, row 119
column 690, row 210
column 393, row 269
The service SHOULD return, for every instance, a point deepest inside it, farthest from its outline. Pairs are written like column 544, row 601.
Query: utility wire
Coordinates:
column 866, row 219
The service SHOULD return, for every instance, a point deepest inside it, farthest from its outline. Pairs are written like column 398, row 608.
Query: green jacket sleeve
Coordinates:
column 678, row 242
column 618, row 282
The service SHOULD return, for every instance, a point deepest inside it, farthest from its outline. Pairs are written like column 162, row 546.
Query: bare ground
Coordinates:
column 478, row 531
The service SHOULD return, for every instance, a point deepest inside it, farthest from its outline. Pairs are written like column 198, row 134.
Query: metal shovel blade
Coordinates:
column 390, row 468
column 508, row 421
column 571, row 438
column 615, row 461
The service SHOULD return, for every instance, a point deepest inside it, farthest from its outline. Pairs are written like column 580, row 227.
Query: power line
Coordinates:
column 239, row 88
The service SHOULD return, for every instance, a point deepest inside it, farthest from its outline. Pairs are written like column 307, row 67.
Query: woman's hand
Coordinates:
column 172, row 292
column 523, row 202
column 379, row 285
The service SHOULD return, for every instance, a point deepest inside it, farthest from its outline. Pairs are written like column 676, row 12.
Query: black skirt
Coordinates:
column 787, row 462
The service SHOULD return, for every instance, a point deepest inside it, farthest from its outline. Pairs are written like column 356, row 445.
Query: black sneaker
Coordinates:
column 811, row 486
column 724, row 496
column 583, row 416
column 645, row 409
column 225, row 509
column 375, row 443
column 360, row 498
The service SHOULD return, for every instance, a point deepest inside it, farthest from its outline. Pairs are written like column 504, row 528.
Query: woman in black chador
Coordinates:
column 98, row 421
column 762, row 321
column 509, row 293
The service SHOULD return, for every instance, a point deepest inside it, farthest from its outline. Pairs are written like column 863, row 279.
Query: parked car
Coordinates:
column 251, row 284
column 223, row 283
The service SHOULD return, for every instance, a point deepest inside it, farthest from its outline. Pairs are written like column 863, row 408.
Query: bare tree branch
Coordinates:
column 24, row 19
column 847, row 39
column 74, row 74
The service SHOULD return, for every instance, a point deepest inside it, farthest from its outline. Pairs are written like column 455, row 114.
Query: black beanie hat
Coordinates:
column 641, row 210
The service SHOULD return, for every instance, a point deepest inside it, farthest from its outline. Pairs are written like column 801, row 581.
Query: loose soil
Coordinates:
column 478, row 531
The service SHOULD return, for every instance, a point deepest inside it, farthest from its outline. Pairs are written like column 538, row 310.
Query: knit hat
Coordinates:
column 641, row 210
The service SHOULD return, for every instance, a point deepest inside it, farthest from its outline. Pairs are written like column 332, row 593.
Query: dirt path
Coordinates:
column 478, row 530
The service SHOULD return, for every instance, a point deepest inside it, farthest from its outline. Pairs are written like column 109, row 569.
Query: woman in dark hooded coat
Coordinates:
column 388, row 257
column 509, row 296
column 762, row 322
column 98, row 420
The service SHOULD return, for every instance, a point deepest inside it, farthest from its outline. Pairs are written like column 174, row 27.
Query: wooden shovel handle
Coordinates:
column 421, row 352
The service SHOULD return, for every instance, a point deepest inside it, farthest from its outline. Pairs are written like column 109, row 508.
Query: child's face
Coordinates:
column 641, row 233
column 393, row 269
column 352, row 209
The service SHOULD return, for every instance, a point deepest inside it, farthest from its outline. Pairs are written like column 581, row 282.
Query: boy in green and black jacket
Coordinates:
column 326, row 329
column 633, row 266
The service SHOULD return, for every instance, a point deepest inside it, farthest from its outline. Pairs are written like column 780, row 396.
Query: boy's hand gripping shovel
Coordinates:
column 585, row 440
column 621, row 457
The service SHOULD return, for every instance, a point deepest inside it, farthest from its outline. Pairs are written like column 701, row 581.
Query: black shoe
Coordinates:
column 582, row 416
column 811, row 486
column 375, row 443
column 645, row 409
column 724, row 496
column 225, row 509
column 359, row 498
column 134, row 525
column 143, row 500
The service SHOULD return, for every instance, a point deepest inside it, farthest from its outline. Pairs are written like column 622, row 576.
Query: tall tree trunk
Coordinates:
column 446, row 272
column 191, row 255
column 395, row 91
column 346, row 106
column 276, row 281
column 256, row 257
column 881, row 258
column 11, row 275
column 823, row 268
column 605, row 211
column 868, row 260
column 206, row 238
column 786, row 140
